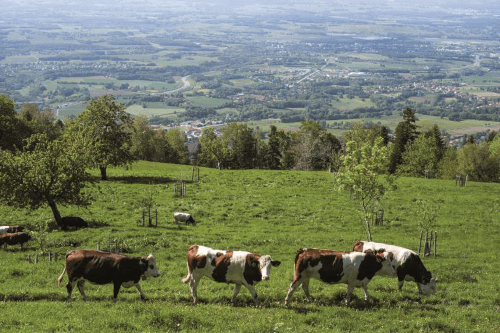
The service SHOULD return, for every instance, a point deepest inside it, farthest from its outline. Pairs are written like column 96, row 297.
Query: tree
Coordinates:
column 359, row 175
column 420, row 155
column 12, row 129
column 477, row 162
column 44, row 173
column 104, row 126
column 273, row 156
column 176, row 139
column 405, row 132
column 214, row 151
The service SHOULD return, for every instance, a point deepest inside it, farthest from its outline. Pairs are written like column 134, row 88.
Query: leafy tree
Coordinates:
column 448, row 164
column 142, row 139
column 104, row 127
column 44, row 173
column 41, row 121
column 176, row 139
column 359, row 175
column 477, row 162
column 214, row 151
column 405, row 132
column 420, row 155
column 12, row 129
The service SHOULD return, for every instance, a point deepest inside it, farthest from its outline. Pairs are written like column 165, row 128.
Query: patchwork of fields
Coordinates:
column 266, row 212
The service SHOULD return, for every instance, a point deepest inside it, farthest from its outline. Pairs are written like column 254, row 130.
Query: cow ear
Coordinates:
column 150, row 256
column 275, row 263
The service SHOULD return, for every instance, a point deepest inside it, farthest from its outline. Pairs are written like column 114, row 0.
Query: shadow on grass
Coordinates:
column 140, row 180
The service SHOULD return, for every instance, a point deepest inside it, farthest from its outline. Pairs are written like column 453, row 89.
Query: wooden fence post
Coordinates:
column 98, row 246
column 50, row 257
column 420, row 243
column 29, row 258
column 426, row 245
column 55, row 257
column 36, row 258
column 435, row 242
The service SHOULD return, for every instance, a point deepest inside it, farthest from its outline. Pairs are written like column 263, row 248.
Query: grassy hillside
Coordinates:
column 267, row 212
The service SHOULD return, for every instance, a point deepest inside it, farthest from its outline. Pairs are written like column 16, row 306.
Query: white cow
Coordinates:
column 238, row 267
column 183, row 217
column 407, row 263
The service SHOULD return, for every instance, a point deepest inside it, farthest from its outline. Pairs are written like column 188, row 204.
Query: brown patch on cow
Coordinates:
column 331, row 270
column 221, row 264
column 370, row 265
column 252, row 271
column 358, row 246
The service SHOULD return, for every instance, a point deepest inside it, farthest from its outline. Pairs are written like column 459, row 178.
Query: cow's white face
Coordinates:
column 387, row 265
column 265, row 264
column 152, row 269
column 429, row 288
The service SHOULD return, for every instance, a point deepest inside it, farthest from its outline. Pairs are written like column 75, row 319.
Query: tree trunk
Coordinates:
column 56, row 213
column 103, row 173
column 368, row 229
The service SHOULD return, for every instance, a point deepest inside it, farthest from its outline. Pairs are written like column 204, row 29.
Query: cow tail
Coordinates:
column 61, row 277
column 297, row 254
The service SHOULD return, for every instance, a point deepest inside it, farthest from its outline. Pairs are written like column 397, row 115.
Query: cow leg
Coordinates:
column 295, row 283
column 193, row 283
column 419, row 288
column 253, row 292
column 400, row 284
column 138, row 286
column 365, row 288
column 69, row 288
column 305, row 287
column 81, row 287
column 237, row 288
column 350, row 289
column 116, row 289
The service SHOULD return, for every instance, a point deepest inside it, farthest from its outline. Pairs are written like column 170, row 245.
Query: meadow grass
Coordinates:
column 266, row 212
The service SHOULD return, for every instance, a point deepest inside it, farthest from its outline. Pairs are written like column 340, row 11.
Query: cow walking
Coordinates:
column 407, row 263
column 101, row 267
column 238, row 267
column 355, row 269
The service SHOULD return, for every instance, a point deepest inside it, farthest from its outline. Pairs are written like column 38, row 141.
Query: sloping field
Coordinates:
column 267, row 212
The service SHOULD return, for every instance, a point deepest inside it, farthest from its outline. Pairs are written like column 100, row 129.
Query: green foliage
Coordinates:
column 426, row 214
column 359, row 175
column 420, row 155
column 45, row 173
column 12, row 129
column 476, row 161
column 405, row 132
column 104, row 128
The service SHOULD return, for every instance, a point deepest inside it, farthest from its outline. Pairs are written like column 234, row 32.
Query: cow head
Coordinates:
column 428, row 285
column 385, row 258
column 151, row 270
column 265, row 263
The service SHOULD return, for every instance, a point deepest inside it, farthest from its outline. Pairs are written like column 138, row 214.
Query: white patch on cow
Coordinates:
column 401, row 254
column 3, row 229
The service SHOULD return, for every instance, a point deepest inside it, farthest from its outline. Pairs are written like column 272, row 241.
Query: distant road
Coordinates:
column 185, row 85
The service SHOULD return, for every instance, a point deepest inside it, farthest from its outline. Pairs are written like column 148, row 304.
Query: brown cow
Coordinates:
column 15, row 238
column 101, row 267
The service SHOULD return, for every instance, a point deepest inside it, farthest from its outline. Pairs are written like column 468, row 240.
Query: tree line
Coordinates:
column 44, row 161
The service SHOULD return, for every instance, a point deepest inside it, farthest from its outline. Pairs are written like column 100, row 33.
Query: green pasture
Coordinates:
column 207, row 102
column 154, row 109
column 266, row 212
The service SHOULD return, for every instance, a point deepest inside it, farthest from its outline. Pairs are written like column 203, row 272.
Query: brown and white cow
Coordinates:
column 355, row 269
column 238, row 267
column 15, row 238
column 10, row 229
column 101, row 267
column 407, row 263
column 184, row 217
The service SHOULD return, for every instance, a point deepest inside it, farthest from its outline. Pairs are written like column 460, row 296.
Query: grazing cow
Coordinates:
column 239, row 267
column 407, row 263
column 184, row 217
column 101, row 267
column 15, row 238
column 73, row 222
column 11, row 229
column 355, row 269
